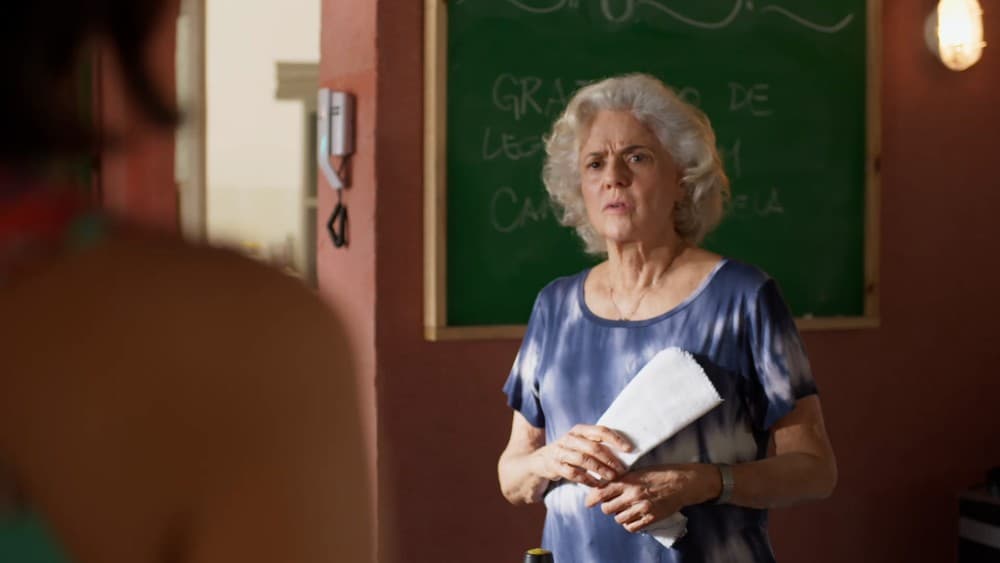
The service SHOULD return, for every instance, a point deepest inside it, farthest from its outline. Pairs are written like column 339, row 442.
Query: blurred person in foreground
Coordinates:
column 158, row 401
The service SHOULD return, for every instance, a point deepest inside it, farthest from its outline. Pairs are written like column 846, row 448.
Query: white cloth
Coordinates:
column 668, row 394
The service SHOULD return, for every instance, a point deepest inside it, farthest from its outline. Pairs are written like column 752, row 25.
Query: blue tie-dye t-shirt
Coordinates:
column 572, row 364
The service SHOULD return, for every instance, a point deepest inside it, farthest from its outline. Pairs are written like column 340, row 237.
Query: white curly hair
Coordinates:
column 684, row 131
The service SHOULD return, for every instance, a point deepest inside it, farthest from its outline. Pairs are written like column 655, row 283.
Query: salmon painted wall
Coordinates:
column 442, row 418
column 137, row 180
column 911, row 406
column 346, row 275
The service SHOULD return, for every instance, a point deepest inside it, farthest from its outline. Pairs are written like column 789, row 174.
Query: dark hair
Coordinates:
column 46, row 53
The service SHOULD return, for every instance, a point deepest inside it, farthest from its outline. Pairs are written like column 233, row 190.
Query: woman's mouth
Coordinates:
column 617, row 207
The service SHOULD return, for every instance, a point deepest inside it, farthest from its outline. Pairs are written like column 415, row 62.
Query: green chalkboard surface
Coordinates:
column 786, row 84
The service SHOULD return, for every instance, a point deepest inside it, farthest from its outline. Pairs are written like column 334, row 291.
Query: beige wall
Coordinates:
column 255, row 142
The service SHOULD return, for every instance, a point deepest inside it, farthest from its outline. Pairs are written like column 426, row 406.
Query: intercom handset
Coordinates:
column 335, row 132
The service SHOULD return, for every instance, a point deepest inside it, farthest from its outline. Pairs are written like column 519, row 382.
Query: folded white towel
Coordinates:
column 668, row 394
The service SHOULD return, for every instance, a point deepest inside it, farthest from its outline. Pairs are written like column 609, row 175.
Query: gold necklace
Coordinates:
column 611, row 290
column 621, row 316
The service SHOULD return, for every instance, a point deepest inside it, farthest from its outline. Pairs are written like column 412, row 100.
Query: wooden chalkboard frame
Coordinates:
column 435, row 188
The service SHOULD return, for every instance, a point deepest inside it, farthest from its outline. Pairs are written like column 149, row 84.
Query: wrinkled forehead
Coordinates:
column 613, row 130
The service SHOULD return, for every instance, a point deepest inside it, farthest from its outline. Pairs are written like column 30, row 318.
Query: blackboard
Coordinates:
column 788, row 85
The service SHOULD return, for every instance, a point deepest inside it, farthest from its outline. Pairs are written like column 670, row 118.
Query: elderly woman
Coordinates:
column 635, row 170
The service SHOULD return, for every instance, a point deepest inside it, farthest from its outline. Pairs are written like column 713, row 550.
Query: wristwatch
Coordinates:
column 726, row 471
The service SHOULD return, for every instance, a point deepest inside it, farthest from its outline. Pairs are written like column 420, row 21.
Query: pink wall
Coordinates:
column 347, row 275
column 910, row 406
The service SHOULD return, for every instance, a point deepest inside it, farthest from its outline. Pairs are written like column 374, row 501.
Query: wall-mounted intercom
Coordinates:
column 335, row 132
column 335, row 138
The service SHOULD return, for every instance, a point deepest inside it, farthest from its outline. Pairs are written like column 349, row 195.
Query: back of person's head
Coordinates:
column 45, row 50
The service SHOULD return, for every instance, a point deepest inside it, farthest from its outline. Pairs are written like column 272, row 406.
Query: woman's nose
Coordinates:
column 616, row 175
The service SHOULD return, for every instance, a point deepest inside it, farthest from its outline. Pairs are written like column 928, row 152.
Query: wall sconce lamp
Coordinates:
column 954, row 33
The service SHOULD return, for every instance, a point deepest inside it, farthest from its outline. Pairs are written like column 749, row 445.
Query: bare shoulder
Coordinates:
column 697, row 264
column 170, row 378
column 153, row 306
column 703, row 260
column 144, row 278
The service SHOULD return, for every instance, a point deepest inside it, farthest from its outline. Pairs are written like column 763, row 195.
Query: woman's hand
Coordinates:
column 582, row 450
column 645, row 496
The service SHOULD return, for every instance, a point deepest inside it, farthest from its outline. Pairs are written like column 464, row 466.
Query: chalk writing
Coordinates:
column 690, row 95
column 509, row 146
column 754, row 99
column 527, row 7
column 509, row 212
column 521, row 95
column 623, row 11
column 811, row 25
column 760, row 205
column 719, row 24
column 732, row 158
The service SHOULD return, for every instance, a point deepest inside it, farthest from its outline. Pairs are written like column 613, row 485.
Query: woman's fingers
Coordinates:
column 636, row 516
column 575, row 474
column 581, row 468
column 630, row 496
column 583, row 455
column 602, row 494
column 602, row 434
column 617, row 504
column 598, row 452
column 638, row 521
column 590, row 461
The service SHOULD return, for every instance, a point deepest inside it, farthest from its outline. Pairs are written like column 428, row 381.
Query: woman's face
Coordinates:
column 629, row 181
